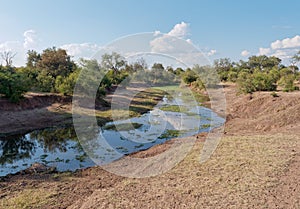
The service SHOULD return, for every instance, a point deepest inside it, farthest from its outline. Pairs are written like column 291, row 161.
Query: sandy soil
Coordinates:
column 256, row 165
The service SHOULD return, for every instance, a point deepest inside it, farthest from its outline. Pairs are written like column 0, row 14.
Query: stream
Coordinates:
column 59, row 147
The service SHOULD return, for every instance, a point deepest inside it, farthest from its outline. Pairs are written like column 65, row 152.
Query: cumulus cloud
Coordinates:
column 11, row 46
column 189, row 41
column 264, row 51
column 286, row 43
column 245, row 53
column 180, row 30
column 283, row 49
column 30, row 39
column 157, row 32
column 165, row 43
column 20, row 47
column 177, row 44
column 212, row 52
column 84, row 50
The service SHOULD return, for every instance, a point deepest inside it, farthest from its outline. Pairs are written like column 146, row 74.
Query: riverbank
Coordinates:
column 255, row 165
column 38, row 111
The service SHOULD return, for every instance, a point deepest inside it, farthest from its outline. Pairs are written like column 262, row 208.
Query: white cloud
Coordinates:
column 165, row 43
column 16, row 48
column 20, row 47
column 180, row 30
column 264, row 51
column 189, row 41
column 212, row 52
column 12, row 46
column 283, row 49
column 286, row 43
column 176, row 43
column 30, row 39
column 245, row 53
column 84, row 50
column 157, row 32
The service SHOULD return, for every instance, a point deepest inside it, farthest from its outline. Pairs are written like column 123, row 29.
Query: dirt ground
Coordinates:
column 256, row 165
column 36, row 111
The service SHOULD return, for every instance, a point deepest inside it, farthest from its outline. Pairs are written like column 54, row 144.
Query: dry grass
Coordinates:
column 240, row 174
column 29, row 198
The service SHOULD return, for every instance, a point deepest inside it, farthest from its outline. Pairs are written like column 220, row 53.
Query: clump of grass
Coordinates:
column 205, row 126
column 28, row 198
column 174, row 108
column 170, row 134
column 123, row 126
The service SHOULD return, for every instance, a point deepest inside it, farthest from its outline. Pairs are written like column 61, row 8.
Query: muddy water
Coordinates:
column 60, row 147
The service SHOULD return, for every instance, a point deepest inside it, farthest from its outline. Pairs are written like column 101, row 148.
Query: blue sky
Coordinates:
column 218, row 28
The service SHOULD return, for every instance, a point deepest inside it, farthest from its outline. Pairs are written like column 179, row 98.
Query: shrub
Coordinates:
column 287, row 82
column 13, row 84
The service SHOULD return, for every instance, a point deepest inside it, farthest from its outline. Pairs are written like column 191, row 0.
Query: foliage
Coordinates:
column 13, row 84
column 54, row 71
column 287, row 82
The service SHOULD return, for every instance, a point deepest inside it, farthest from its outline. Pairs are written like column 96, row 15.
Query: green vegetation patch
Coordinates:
column 170, row 134
column 174, row 108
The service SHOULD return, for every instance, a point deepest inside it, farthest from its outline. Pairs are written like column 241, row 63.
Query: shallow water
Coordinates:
column 60, row 147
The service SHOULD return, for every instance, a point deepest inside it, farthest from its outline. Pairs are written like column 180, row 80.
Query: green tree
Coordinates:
column 50, row 65
column 113, row 61
column 13, row 84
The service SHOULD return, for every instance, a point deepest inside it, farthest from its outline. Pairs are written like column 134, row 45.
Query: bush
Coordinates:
column 45, row 82
column 13, row 84
column 189, row 77
column 244, row 82
column 263, row 82
column 66, row 85
column 287, row 82
column 232, row 76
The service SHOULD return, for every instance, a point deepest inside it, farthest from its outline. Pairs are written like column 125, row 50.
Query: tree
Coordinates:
column 56, row 62
column 50, row 65
column 113, row 61
column 13, row 84
column 263, row 62
column 32, row 59
column 7, row 56
column 295, row 59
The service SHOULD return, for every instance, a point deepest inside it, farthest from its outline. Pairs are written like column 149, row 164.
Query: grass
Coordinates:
column 205, row 126
column 28, row 198
column 143, row 102
column 170, row 134
column 174, row 108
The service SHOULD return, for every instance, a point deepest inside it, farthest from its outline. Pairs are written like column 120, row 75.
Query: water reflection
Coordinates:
column 15, row 148
column 57, row 147
column 54, row 140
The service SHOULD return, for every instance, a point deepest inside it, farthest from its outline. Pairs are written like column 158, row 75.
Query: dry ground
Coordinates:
column 256, row 165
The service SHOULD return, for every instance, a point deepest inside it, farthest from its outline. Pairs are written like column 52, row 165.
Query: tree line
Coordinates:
column 54, row 71
column 260, row 73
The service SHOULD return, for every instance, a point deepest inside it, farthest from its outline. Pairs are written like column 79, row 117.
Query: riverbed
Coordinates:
column 173, row 117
